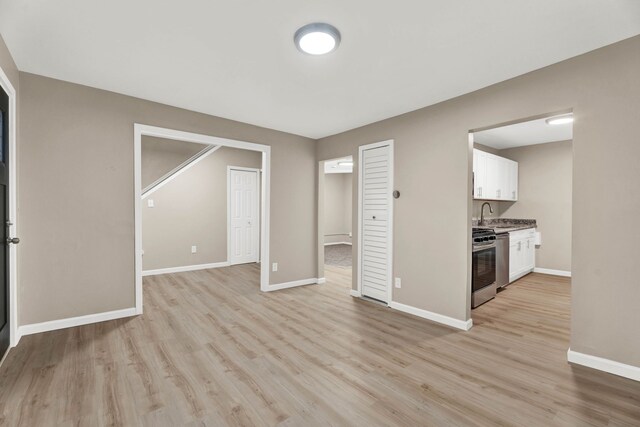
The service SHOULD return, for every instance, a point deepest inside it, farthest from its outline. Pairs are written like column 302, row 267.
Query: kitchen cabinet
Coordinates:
column 522, row 253
column 495, row 177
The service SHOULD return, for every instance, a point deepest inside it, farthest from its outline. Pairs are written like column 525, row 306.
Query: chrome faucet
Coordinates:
column 482, row 212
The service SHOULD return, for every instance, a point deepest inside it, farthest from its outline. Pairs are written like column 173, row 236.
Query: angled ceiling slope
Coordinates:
column 237, row 59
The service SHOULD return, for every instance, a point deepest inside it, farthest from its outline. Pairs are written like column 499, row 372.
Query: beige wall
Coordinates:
column 544, row 194
column 8, row 65
column 337, row 207
column 160, row 156
column 432, row 217
column 496, row 206
column 191, row 210
column 77, row 196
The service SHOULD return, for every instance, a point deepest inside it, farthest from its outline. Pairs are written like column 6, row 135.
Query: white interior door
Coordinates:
column 376, row 221
column 244, row 216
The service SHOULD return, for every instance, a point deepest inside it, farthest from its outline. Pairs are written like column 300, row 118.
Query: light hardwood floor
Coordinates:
column 212, row 350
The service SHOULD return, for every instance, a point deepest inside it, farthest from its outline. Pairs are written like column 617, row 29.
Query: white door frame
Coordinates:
column 361, row 149
column 13, row 229
column 239, row 168
column 141, row 130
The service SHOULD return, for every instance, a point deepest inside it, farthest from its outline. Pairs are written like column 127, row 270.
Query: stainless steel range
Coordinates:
column 483, row 279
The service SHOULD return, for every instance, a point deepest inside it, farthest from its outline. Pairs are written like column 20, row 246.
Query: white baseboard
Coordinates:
column 606, row 365
column 321, row 280
column 338, row 243
column 293, row 284
column 439, row 318
column 70, row 322
column 185, row 268
column 552, row 272
column 355, row 293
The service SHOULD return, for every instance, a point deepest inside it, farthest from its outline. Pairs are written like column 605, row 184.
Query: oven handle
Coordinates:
column 483, row 247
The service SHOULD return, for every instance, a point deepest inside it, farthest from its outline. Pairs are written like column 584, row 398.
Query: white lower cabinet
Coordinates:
column 522, row 253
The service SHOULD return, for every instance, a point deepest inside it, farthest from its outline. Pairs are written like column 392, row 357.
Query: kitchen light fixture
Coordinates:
column 317, row 38
column 348, row 164
column 560, row 120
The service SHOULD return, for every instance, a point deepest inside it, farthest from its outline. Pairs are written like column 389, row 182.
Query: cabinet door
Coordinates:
column 476, row 175
column 512, row 173
column 503, row 183
column 515, row 259
column 530, row 259
column 480, row 174
column 493, row 165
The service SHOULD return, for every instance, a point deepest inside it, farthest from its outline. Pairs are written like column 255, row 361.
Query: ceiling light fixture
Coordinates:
column 317, row 38
column 560, row 120
column 349, row 164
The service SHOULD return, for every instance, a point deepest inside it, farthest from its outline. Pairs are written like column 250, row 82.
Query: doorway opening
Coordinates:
column 336, row 218
column 202, row 202
column 520, row 208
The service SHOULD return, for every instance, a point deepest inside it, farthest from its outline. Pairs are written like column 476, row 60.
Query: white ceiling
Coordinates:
column 331, row 166
column 236, row 59
column 525, row 133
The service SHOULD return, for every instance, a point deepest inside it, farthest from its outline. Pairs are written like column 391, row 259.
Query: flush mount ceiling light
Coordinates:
column 317, row 38
column 560, row 120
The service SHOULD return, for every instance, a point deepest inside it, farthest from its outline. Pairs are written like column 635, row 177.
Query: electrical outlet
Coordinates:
column 398, row 282
column 274, row 267
column 150, row 203
column 194, row 249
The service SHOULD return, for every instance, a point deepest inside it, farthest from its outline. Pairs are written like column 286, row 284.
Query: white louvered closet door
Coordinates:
column 375, row 274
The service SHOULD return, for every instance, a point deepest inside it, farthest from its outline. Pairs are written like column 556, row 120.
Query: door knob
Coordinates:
column 13, row 240
column 374, row 217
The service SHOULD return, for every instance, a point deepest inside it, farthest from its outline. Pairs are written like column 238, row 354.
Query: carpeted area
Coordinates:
column 339, row 255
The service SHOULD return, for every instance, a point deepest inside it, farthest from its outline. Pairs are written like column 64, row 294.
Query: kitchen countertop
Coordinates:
column 505, row 225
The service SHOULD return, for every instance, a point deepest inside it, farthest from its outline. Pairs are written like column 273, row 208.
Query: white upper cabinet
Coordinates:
column 495, row 178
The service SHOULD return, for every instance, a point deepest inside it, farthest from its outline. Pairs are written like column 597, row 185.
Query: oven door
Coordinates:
column 484, row 267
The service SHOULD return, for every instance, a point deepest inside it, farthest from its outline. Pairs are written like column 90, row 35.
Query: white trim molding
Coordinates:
column 338, row 243
column 355, row 293
column 438, row 318
column 184, row 268
column 606, row 365
column 321, row 280
column 12, row 230
column 176, row 172
column 293, row 284
column 552, row 272
column 140, row 130
column 70, row 322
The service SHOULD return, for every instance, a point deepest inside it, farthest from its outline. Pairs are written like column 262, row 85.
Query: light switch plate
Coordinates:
column 398, row 282
column 150, row 203
column 274, row 267
column 194, row 249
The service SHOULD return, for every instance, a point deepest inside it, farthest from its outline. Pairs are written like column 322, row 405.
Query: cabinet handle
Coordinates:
column 480, row 191
column 498, row 193
column 514, row 194
column 519, row 245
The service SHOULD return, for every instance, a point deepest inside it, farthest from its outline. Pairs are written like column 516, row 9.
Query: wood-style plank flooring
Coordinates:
column 212, row 350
